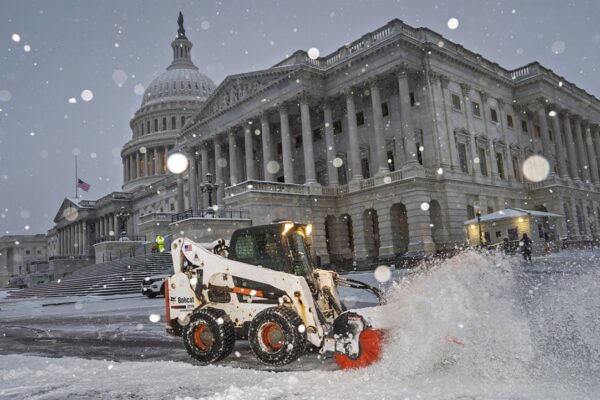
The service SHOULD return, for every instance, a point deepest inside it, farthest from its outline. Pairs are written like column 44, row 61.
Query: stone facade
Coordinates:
column 23, row 260
column 385, row 146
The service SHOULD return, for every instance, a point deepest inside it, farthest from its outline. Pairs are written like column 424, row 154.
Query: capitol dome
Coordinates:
column 178, row 84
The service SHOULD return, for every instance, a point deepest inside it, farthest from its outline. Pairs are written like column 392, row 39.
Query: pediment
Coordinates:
column 68, row 210
column 237, row 88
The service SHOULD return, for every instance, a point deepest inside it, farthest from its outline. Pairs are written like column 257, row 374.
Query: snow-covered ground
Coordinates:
column 472, row 327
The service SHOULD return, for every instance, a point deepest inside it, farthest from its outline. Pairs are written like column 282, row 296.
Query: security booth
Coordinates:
column 491, row 230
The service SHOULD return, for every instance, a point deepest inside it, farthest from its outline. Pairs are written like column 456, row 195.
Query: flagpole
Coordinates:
column 76, row 177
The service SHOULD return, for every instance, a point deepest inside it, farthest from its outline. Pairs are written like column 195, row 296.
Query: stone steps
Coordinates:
column 121, row 276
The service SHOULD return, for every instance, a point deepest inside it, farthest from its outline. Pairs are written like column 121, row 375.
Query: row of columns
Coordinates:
column 106, row 224
column 150, row 163
column 404, row 135
column 72, row 239
column 579, row 159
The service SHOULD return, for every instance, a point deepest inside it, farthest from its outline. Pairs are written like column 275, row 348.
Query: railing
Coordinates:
column 114, row 238
column 68, row 257
column 156, row 216
column 262, row 186
column 211, row 213
column 87, row 203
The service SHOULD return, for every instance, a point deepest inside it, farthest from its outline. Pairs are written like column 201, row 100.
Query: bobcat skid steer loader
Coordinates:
column 264, row 288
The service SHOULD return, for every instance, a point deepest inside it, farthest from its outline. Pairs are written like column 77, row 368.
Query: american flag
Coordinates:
column 187, row 247
column 83, row 185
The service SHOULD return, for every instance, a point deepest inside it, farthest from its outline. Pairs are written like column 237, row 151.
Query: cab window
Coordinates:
column 259, row 249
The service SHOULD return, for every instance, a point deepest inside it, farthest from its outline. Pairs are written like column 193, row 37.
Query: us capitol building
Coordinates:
column 386, row 146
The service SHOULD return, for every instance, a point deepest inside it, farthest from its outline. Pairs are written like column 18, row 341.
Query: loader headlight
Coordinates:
column 309, row 229
column 287, row 227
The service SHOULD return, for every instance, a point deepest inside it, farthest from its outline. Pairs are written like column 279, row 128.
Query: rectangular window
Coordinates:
column 360, row 118
column 142, row 126
column 470, row 211
column 390, row 160
column 500, row 165
column 483, row 162
column 537, row 131
column 509, row 121
column 412, row 99
column 513, row 234
column 27, row 251
column 148, row 127
column 384, row 109
column 494, row 115
column 182, row 121
column 365, row 168
column 462, row 155
column 317, row 134
column 498, row 234
column 298, row 141
column 475, row 108
column 550, row 135
column 173, row 123
column 279, row 149
column 524, row 126
column 337, row 127
column 490, row 210
column 155, row 125
column 164, row 124
column 456, row 102
column 515, row 163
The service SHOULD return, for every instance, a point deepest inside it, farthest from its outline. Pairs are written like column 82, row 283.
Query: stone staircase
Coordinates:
column 120, row 276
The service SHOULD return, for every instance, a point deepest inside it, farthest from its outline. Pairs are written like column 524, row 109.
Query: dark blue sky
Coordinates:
column 78, row 45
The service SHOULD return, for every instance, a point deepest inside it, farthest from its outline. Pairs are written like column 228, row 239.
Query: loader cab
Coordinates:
column 281, row 246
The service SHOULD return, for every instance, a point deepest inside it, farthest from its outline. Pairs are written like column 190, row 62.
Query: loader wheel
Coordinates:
column 210, row 335
column 275, row 337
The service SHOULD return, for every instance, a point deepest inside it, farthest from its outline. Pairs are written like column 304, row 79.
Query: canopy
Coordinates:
column 509, row 213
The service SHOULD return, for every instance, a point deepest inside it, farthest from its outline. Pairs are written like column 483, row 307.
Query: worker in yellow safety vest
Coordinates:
column 160, row 242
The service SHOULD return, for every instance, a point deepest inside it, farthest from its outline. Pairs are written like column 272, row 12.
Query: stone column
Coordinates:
column 332, row 173
column 155, row 164
column 249, row 153
column 137, row 165
column 408, row 130
column 286, row 145
column 234, row 174
column 570, row 141
column 163, row 160
column 421, row 240
column 476, row 168
column 205, row 170
column 592, row 158
column 354, row 167
column 145, row 168
column 179, row 194
column 380, row 148
column 584, row 170
column 307, row 142
column 596, row 154
column 493, row 171
column 192, row 180
column 124, row 170
column 219, row 172
column 546, row 143
column 266, row 145
column 510, row 176
column 558, row 145
column 384, row 221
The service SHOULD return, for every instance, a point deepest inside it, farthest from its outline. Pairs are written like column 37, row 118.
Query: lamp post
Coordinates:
column 477, row 208
column 122, row 217
column 209, row 187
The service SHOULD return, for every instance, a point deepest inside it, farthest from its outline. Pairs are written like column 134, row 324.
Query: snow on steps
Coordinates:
column 120, row 276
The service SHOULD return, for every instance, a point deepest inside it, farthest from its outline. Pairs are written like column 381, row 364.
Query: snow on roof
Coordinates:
column 509, row 213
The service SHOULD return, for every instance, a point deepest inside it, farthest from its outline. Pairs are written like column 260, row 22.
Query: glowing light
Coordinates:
column 154, row 318
column 313, row 53
column 177, row 163
column 425, row 206
column 453, row 23
column 536, row 168
column 87, row 95
column 287, row 227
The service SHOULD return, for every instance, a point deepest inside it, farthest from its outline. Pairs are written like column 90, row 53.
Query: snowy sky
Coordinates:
column 66, row 47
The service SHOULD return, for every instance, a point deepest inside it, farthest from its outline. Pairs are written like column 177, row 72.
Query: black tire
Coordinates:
column 275, row 336
column 151, row 295
column 210, row 335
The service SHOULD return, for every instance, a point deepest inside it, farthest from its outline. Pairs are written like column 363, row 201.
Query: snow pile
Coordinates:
column 457, row 317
